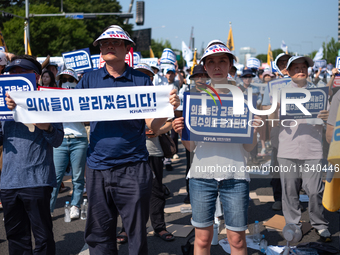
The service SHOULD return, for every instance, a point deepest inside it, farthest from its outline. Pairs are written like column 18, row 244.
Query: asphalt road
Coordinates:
column 69, row 237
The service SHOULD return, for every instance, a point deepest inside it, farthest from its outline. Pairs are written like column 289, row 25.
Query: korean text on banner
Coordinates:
column 317, row 102
column 22, row 82
column 82, row 105
column 79, row 60
column 218, row 123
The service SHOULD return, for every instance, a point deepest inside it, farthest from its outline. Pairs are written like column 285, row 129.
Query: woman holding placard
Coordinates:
column 232, row 186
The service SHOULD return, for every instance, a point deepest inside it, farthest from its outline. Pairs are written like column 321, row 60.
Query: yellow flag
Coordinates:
column 151, row 53
column 28, row 45
column 2, row 42
column 287, row 50
column 269, row 56
column 230, row 42
column 194, row 61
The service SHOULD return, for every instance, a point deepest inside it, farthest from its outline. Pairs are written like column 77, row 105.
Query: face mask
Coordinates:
column 68, row 85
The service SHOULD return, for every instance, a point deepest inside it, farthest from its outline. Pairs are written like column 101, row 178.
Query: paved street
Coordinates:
column 69, row 237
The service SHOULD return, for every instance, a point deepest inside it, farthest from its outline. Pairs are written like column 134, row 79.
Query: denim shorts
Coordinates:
column 234, row 195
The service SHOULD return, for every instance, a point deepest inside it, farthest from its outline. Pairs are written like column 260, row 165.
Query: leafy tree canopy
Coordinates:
column 54, row 35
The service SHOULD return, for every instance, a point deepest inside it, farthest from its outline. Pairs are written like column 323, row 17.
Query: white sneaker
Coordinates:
column 74, row 214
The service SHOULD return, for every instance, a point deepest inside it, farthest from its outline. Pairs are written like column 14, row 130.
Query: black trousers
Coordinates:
column 157, row 200
column 276, row 181
column 25, row 210
column 174, row 137
column 123, row 190
column 190, row 156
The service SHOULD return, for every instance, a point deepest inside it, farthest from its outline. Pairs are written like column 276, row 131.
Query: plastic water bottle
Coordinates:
column 256, row 234
column 186, row 209
column 263, row 245
column 67, row 217
column 83, row 212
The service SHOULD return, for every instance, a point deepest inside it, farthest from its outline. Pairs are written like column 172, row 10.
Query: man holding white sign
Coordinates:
column 119, row 179
column 300, row 153
column 28, row 175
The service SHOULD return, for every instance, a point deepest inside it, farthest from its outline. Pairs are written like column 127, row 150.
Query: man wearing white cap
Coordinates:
column 118, row 177
column 300, row 148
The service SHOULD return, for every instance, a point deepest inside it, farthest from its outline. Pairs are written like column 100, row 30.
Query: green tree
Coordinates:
column 157, row 47
column 97, row 25
column 332, row 50
column 54, row 35
column 48, row 35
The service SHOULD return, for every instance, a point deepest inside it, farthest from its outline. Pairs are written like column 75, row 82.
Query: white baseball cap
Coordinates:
column 300, row 59
column 70, row 72
column 114, row 32
column 144, row 66
column 215, row 42
column 216, row 49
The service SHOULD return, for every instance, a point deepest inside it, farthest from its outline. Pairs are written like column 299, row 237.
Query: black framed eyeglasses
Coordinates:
column 106, row 43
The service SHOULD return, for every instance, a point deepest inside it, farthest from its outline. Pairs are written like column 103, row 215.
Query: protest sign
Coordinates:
column 336, row 81
column 129, row 58
column 95, row 61
column 136, row 58
column 57, row 60
column 168, row 56
column 317, row 102
column 150, row 61
column 81, row 105
column 22, row 82
column 278, row 83
column 218, row 124
column 253, row 63
column 337, row 63
column 79, row 60
column 320, row 63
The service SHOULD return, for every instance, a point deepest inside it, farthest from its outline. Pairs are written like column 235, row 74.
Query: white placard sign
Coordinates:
column 149, row 61
column 82, row 105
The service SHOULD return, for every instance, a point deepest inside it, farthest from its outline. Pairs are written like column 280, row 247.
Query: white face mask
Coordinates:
column 69, row 85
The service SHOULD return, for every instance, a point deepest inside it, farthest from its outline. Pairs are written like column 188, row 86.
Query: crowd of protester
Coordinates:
column 128, row 154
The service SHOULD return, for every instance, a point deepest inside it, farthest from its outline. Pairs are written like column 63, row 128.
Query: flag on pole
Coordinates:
column 28, row 44
column 194, row 61
column 151, row 53
column 186, row 52
column 269, row 56
column 319, row 54
column 284, row 47
column 2, row 43
column 230, row 42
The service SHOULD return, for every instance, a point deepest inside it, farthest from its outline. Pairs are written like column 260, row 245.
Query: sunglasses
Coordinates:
column 70, row 79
